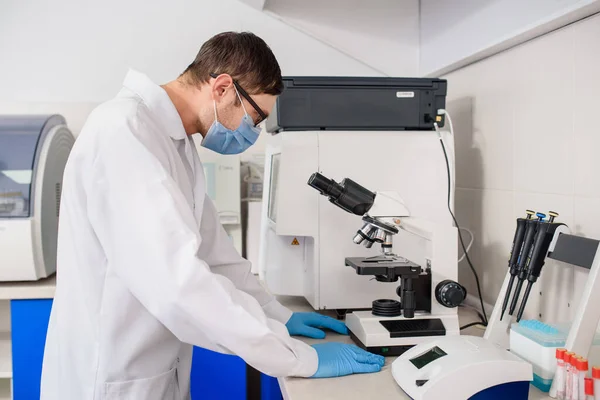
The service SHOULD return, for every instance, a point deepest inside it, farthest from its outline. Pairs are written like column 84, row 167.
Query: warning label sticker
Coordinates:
column 295, row 242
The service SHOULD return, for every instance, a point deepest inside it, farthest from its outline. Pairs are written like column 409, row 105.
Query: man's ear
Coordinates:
column 220, row 85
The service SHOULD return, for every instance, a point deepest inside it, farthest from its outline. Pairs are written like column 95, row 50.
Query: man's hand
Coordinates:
column 337, row 359
column 307, row 324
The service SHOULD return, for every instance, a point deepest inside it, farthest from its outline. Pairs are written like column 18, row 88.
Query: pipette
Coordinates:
column 535, row 261
column 531, row 226
column 514, row 257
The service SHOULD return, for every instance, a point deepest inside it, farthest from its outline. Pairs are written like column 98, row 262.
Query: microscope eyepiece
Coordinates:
column 348, row 195
column 327, row 187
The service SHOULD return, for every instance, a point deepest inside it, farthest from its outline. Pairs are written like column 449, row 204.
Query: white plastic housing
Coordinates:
column 409, row 163
column 471, row 364
column 369, row 331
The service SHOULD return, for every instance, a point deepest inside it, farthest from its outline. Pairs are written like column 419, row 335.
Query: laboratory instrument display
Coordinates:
column 33, row 155
column 392, row 327
column 461, row 367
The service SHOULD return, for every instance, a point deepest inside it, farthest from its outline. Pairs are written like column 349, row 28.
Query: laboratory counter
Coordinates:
column 361, row 386
column 41, row 289
column 30, row 309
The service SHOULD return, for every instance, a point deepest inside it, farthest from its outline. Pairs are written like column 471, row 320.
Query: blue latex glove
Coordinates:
column 338, row 359
column 306, row 324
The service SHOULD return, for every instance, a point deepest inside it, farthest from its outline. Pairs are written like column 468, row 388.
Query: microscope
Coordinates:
column 428, row 291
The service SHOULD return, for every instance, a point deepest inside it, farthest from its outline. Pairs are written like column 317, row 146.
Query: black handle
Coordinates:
column 517, row 242
column 515, row 253
column 543, row 239
column 531, row 227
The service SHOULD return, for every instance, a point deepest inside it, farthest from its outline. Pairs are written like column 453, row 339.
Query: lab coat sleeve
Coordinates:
column 224, row 259
column 148, row 232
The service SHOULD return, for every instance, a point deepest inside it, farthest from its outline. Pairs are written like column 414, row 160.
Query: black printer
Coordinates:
column 358, row 103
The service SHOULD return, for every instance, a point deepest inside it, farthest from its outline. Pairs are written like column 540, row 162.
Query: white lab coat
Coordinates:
column 145, row 269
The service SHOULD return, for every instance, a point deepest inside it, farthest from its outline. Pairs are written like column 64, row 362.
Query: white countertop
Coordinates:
column 42, row 289
column 361, row 386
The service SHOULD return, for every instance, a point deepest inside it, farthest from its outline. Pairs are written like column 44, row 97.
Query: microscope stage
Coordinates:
column 392, row 336
column 383, row 265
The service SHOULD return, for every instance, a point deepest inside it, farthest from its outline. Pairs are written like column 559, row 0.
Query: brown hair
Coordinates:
column 244, row 56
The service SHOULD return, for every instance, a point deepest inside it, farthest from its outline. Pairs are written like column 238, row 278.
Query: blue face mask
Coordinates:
column 225, row 141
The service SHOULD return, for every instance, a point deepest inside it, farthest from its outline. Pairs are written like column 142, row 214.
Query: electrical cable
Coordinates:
column 472, row 324
column 469, row 245
column 472, row 309
column 485, row 320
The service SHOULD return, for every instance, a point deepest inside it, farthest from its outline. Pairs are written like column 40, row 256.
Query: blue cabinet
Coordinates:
column 214, row 375
column 269, row 388
column 29, row 323
column 220, row 376
column 217, row 376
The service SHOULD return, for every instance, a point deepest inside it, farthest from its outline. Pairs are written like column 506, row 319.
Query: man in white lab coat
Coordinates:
column 145, row 270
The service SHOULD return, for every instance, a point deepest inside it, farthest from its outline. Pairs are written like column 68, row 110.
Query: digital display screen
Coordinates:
column 427, row 357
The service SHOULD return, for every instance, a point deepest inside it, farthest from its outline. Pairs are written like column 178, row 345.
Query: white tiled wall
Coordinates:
column 526, row 137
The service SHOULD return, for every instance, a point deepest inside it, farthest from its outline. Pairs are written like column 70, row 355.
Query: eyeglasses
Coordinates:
column 261, row 115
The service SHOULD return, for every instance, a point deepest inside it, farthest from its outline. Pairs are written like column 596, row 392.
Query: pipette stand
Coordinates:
column 574, row 250
column 498, row 331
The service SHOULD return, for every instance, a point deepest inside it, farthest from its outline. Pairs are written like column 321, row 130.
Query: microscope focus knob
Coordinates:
column 450, row 294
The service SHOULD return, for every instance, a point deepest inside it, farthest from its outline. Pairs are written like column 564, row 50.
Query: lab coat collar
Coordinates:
column 158, row 102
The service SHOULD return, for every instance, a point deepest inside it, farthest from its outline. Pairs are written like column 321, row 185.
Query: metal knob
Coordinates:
column 540, row 216
column 530, row 213
column 450, row 294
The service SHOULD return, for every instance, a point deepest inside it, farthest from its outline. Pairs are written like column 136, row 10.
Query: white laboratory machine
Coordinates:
column 222, row 173
column 462, row 367
column 33, row 155
column 344, row 127
column 379, row 132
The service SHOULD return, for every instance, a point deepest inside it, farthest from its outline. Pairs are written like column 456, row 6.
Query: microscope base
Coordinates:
column 369, row 333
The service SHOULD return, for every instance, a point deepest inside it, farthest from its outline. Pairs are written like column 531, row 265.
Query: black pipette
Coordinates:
column 535, row 261
column 513, row 259
column 530, row 229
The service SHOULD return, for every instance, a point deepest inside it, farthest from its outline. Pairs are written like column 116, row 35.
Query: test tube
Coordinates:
column 596, row 377
column 589, row 389
column 582, row 369
column 560, row 374
column 568, row 375
column 575, row 378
